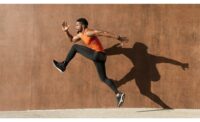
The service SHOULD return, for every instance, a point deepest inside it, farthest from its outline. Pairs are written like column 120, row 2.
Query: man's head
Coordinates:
column 81, row 24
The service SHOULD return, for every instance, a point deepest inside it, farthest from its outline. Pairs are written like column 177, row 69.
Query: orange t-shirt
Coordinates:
column 92, row 42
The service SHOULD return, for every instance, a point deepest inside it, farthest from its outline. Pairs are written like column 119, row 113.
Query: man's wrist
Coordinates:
column 66, row 31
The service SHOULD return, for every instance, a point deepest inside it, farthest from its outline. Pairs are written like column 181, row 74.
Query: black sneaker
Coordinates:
column 120, row 98
column 59, row 65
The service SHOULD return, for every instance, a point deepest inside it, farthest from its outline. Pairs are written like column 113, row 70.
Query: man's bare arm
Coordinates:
column 102, row 33
column 106, row 34
column 72, row 38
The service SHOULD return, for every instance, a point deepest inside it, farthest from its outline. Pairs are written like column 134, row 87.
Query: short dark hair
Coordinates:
column 83, row 21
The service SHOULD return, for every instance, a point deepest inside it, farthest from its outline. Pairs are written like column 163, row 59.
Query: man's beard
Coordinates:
column 79, row 31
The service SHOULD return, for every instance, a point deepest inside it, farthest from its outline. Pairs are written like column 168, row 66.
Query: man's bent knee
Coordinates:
column 75, row 46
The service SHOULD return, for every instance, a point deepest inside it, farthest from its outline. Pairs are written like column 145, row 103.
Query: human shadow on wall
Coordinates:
column 144, row 70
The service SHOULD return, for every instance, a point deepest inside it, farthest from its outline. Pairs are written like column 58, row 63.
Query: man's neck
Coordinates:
column 84, row 30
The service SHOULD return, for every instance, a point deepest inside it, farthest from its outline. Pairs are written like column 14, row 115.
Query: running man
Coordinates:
column 93, row 51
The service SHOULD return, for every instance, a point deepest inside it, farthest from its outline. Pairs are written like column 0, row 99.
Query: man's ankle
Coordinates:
column 65, row 63
column 117, row 94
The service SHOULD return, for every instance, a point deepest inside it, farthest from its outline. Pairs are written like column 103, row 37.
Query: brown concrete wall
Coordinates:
column 31, row 37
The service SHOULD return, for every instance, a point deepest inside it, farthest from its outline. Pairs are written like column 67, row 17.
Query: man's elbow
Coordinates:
column 74, row 40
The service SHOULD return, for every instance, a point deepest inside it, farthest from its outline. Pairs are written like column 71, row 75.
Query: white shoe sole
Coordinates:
column 57, row 68
column 121, row 101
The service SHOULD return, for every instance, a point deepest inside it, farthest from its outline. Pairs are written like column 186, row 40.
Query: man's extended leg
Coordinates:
column 85, row 51
column 100, row 65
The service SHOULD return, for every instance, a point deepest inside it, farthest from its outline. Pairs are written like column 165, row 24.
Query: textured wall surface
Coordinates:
column 148, row 68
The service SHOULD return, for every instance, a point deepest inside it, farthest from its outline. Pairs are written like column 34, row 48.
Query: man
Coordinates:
column 93, row 50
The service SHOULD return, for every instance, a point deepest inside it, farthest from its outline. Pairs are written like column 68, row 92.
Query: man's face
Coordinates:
column 79, row 27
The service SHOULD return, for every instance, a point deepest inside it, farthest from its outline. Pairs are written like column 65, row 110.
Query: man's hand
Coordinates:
column 65, row 27
column 184, row 66
column 122, row 40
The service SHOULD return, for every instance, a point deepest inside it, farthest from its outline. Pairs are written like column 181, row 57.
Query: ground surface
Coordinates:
column 102, row 113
